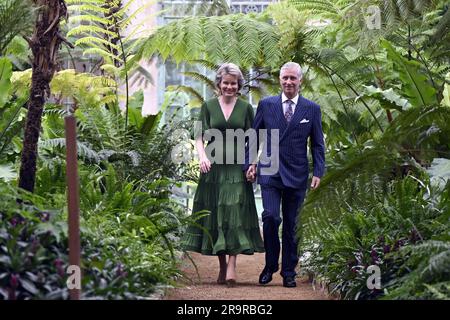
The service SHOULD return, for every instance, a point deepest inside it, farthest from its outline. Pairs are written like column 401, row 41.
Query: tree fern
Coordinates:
column 85, row 89
column 195, row 37
column 223, row 36
column 248, row 45
column 352, row 15
column 100, row 34
column 213, row 30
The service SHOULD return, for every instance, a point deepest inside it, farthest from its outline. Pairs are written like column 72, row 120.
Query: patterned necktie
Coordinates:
column 288, row 114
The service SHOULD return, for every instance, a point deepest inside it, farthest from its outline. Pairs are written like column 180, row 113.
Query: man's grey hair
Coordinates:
column 292, row 65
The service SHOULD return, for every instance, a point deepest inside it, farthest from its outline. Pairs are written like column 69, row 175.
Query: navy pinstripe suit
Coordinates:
column 287, row 186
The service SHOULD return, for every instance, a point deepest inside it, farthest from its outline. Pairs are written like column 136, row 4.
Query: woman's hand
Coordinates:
column 251, row 173
column 205, row 164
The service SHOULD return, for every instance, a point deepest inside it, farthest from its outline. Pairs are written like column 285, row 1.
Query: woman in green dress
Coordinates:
column 232, row 225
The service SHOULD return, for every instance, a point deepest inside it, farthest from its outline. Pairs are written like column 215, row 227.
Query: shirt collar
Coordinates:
column 284, row 98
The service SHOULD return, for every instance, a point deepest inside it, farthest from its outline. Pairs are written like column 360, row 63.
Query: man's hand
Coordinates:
column 251, row 173
column 315, row 182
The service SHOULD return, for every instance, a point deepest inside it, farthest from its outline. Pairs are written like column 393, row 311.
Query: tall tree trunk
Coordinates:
column 113, row 6
column 44, row 44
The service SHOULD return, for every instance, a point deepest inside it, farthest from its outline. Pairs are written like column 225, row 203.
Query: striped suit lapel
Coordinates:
column 277, row 110
column 299, row 113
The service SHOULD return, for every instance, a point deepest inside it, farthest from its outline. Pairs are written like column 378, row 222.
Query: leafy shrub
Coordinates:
column 32, row 253
column 128, row 241
column 390, row 232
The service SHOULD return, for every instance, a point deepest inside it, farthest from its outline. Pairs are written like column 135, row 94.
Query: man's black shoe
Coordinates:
column 265, row 277
column 289, row 282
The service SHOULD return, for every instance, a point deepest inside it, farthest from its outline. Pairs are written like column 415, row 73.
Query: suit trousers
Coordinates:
column 291, row 200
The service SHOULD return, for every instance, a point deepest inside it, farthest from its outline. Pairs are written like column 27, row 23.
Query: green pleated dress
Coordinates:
column 224, row 191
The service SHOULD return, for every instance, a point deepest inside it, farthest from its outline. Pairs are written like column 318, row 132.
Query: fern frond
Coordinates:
column 93, row 41
column 194, row 37
column 249, row 43
column 89, row 18
column 214, row 28
column 83, row 149
column 84, row 29
column 101, row 52
column 110, row 68
column 201, row 78
column 316, row 7
column 232, row 50
column 224, row 37
column 270, row 38
column 188, row 90
column 85, row 6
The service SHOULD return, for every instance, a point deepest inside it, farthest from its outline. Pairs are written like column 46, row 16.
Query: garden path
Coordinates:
column 248, row 269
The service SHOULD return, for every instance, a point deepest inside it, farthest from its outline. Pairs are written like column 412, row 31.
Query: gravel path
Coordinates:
column 248, row 269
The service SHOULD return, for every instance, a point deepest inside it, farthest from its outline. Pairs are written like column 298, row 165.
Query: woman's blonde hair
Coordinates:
column 231, row 69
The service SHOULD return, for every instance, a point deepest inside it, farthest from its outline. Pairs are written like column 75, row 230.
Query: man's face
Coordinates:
column 290, row 82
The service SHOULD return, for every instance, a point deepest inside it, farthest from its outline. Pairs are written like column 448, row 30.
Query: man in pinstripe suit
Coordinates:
column 296, row 120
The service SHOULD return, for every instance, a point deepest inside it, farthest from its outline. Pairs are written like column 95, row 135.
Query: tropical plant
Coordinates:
column 100, row 33
column 16, row 18
column 383, row 231
column 44, row 44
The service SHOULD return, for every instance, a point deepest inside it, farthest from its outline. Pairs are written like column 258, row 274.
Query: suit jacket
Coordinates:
column 293, row 136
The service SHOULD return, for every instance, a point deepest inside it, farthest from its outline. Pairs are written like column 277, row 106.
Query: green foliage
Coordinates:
column 32, row 250
column 129, row 239
column 86, row 90
column 416, row 137
column 385, row 116
column 381, row 230
column 354, row 15
column 376, row 192
column 16, row 17
column 138, row 219
column 414, row 85
column 5, row 80
column 388, row 99
column 430, row 276
column 98, row 30
column 144, row 125
column 11, row 112
column 242, row 39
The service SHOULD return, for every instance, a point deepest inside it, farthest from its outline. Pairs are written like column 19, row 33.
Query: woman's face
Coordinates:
column 229, row 85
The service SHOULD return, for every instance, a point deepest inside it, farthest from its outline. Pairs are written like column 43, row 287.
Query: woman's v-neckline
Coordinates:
column 223, row 114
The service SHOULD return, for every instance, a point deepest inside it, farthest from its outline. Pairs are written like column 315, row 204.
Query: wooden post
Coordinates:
column 73, row 198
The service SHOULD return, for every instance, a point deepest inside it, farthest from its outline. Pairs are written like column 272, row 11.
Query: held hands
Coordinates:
column 251, row 173
column 205, row 164
column 315, row 182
